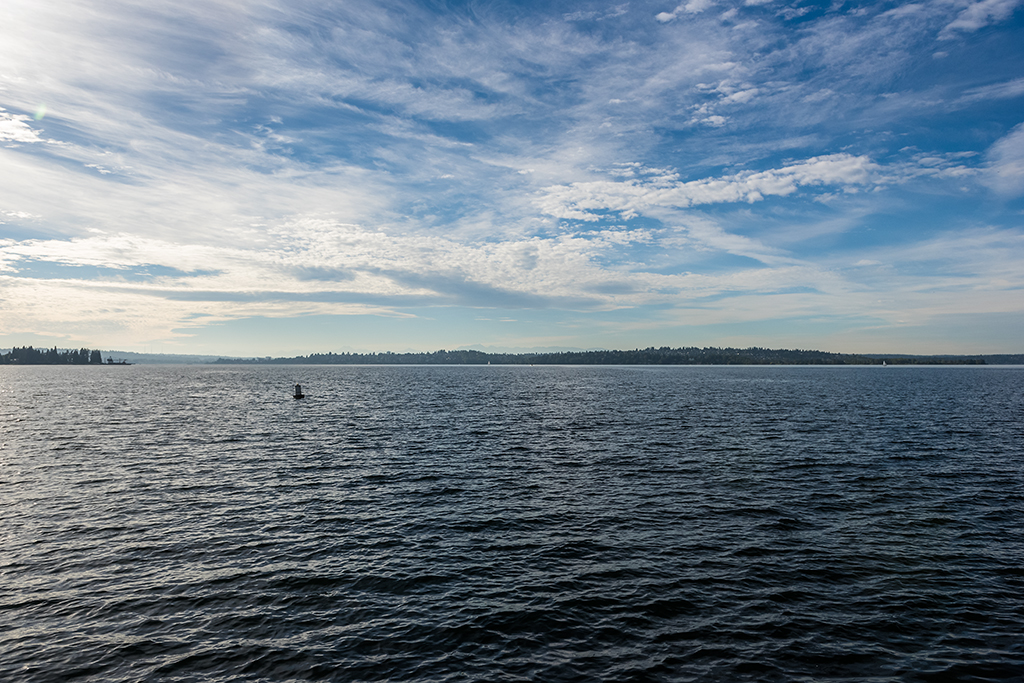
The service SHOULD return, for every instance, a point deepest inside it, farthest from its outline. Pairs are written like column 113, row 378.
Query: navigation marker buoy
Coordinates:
column 298, row 391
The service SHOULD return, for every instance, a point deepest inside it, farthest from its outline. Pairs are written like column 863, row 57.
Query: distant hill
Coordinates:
column 648, row 356
column 1004, row 359
column 989, row 358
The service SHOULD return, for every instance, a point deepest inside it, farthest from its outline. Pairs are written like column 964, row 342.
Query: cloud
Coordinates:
column 317, row 266
column 320, row 260
column 15, row 128
column 87, row 312
column 590, row 15
column 978, row 15
column 341, row 158
column 1005, row 171
column 691, row 7
column 631, row 198
column 999, row 91
column 320, row 267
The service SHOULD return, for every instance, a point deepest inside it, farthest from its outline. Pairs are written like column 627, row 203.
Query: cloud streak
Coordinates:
column 632, row 197
column 204, row 163
column 978, row 15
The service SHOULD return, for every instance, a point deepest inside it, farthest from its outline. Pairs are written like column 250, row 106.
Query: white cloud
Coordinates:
column 310, row 259
column 741, row 96
column 706, row 234
column 633, row 197
column 1005, row 172
column 978, row 15
column 233, row 146
column 998, row 91
column 691, row 7
column 316, row 266
column 97, row 313
column 15, row 128
column 610, row 13
column 321, row 267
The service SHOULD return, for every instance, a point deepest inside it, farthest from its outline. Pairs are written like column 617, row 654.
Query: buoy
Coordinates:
column 298, row 391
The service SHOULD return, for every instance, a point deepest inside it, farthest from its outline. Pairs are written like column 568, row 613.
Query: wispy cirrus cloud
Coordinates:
column 1005, row 173
column 364, row 159
column 632, row 197
column 978, row 15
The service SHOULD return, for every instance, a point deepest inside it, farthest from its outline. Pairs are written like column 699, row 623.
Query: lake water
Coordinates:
column 511, row 523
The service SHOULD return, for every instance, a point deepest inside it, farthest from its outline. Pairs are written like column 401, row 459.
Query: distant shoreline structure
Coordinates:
column 649, row 356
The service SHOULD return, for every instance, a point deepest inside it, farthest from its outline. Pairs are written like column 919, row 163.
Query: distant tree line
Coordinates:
column 648, row 356
column 26, row 355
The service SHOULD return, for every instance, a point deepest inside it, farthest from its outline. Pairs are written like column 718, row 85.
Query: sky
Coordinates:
column 280, row 178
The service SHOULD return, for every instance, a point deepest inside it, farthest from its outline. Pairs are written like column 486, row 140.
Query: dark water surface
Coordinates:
column 511, row 524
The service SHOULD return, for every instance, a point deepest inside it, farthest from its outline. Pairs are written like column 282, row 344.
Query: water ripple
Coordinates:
column 511, row 523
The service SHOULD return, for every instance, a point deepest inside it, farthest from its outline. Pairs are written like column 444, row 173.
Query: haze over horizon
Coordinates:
column 268, row 178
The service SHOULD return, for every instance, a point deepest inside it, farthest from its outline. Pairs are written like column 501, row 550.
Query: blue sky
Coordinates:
column 277, row 178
